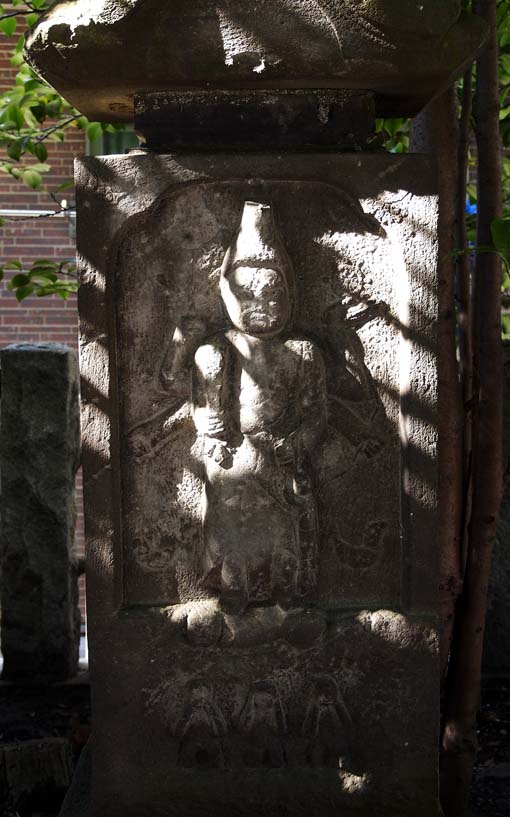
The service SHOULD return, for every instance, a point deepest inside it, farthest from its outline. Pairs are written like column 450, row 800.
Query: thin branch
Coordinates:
column 48, row 131
column 43, row 132
column 30, row 9
column 42, row 215
column 53, row 197
column 18, row 13
column 61, row 270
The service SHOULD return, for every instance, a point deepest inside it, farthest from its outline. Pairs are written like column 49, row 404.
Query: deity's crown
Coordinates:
column 258, row 243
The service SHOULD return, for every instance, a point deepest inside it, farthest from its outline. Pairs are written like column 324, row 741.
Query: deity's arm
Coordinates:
column 209, row 390
column 210, row 399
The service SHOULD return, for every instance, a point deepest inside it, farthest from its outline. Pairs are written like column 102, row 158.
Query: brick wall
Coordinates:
column 28, row 238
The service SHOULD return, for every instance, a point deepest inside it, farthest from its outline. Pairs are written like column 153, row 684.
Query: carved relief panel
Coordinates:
column 258, row 426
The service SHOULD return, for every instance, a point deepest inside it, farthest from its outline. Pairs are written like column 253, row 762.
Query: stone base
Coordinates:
column 334, row 721
column 77, row 802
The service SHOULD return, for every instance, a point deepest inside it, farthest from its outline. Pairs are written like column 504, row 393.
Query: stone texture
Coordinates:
column 31, row 768
column 497, row 634
column 258, row 412
column 99, row 55
column 40, row 448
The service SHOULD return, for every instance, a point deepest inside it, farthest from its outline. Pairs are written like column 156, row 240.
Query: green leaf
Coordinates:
column 44, row 272
column 31, row 121
column 500, row 230
column 32, row 178
column 32, row 84
column 8, row 26
column 13, row 265
column 42, row 262
column 94, row 131
column 54, row 108
column 14, row 114
column 43, row 276
column 40, row 151
column 19, row 281
column 14, row 151
column 40, row 167
column 17, row 59
column 64, row 186
column 24, row 292
column 32, row 19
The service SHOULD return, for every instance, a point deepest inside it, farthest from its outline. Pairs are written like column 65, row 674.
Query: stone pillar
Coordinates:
column 258, row 312
column 39, row 449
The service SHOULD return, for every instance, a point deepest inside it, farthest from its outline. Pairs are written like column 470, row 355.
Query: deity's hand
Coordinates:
column 218, row 451
column 284, row 451
column 371, row 446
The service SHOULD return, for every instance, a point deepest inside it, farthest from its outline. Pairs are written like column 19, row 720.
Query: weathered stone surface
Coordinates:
column 259, row 388
column 497, row 634
column 99, row 55
column 39, row 448
column 33, row 768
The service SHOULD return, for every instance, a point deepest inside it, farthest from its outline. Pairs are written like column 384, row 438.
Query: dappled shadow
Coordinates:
column 151, row 280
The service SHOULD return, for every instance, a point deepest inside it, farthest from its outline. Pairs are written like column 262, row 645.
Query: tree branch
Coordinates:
column 462, row 700
column 18, row 13
column 51, row 129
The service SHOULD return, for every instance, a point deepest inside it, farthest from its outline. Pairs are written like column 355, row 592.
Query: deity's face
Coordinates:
column 257, row 300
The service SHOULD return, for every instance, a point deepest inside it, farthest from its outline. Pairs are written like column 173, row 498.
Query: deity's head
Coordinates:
column 257, row 281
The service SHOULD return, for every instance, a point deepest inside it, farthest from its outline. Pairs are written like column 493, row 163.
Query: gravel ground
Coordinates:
column 64, row 711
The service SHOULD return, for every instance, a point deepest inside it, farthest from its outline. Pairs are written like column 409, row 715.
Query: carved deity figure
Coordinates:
column 202, row 730
column 260, row 407
column 263, row 723
column 327, row 725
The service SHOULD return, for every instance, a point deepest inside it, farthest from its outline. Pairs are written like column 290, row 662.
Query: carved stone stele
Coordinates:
column 259, row 387
column 40, row 454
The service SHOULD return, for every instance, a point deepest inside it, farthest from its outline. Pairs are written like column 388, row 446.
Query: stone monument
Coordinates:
column 258, row 353
column 40, row 453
